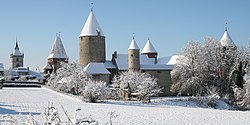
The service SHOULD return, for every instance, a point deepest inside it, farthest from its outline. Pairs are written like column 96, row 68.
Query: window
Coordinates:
column 17, row 59
column 131, row 55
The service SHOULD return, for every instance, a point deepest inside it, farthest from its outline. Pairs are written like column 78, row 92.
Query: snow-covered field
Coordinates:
column 16, row 101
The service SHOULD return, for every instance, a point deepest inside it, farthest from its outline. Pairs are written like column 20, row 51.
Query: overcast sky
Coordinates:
column 170, row 24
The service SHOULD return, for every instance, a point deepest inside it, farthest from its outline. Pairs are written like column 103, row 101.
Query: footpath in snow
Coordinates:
column 22, row 101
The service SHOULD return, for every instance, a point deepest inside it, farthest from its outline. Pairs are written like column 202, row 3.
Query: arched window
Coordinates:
column 17, row 59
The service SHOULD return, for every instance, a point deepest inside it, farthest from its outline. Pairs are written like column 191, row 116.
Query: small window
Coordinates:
column 131, row 55
column 17, row 59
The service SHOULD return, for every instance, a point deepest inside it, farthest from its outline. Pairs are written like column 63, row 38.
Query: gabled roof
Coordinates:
column 148, row 48
column 226, row 40
column 58, row 50
column 96, row 68
column 133, row 45
column 91, row 27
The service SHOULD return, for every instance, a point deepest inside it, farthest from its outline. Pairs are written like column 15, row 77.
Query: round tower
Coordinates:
column 92, row 42
column 16, row 57
column 133, row 56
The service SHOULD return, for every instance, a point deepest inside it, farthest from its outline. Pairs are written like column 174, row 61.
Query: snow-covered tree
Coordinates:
column 136, row 82
column 205, row 66
column 95, row 90
column 69, row 78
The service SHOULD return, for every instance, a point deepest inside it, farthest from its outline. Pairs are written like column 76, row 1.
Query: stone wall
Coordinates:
column 92, row 49
column 164, row 80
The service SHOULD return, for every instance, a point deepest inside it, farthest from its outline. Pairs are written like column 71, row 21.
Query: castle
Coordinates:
column 92, row 51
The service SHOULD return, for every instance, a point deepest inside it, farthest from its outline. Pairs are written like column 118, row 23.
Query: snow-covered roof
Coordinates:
column 58, row 50
column 109, row 65
column 47, row 66
column 91, row 27
column 170, row 60
column 148, row 48
column 16, row 51
column 96, row 68
column 145, row 63
column 226, row 40
column 133, row 45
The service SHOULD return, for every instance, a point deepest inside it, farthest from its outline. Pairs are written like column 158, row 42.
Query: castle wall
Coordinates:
column 164, row 80
column 92, row 49
column 102, row 77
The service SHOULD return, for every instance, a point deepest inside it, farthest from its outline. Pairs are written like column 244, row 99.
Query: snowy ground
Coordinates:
column 23, row 101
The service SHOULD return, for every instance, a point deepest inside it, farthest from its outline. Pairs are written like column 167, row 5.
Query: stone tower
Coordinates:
column 92, row 42
column 150, row 51
column 57, row 55
column 133, row 56
column 16, row 57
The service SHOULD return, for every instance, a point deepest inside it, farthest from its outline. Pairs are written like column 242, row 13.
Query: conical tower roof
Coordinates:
column 58, row 50
column 91, row 27
column 226, row 40
column 133, row 45
column 148, row 48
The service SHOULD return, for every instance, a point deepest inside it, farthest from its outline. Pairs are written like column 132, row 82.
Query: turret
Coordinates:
column 133, row 56
column 92, row 42
column 16, row 57
column 226, row 41
column 57, row 54
column 150, row 51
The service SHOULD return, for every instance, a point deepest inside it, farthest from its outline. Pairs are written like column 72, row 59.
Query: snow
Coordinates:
column 58, row 50
column 226, row 40
column 96, row 68
column 23, row 101
column 91, row 27
column 133, row 45
column 148, row 48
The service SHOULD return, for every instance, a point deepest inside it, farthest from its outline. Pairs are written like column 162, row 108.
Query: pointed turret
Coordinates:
column 133, row 45
column 57, row 54
column 226, row 40
column 58, row 50
column 149, row 50
column 91, row 27
column 92, row 42
column 133, row 56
